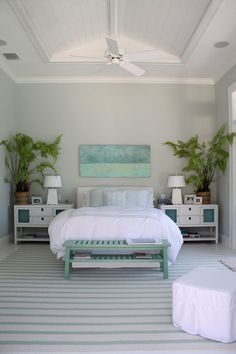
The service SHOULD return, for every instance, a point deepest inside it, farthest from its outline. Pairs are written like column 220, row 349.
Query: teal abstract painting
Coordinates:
column 115, row 160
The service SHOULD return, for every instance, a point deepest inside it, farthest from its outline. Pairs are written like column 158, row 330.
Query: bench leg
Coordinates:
column 165, row 263
column 67, row 264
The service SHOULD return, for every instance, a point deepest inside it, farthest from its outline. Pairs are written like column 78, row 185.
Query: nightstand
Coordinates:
column 31, row 221
column 197, row 222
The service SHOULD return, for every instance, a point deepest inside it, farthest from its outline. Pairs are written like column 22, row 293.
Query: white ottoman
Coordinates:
column 204, row 303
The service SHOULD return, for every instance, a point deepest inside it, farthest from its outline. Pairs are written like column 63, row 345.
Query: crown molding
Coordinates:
column 7, row 71
column 25, row 20
column 104, row 80
column 107, row 80
column 206, row 19
column 225, row 71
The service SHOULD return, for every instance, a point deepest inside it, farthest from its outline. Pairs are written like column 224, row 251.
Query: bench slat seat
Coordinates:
column 158, row 255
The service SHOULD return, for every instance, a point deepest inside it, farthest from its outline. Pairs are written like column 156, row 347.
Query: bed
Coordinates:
column 114, row 213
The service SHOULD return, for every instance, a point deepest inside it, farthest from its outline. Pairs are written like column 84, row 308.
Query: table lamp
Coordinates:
column 176, row 182
column 52, row 182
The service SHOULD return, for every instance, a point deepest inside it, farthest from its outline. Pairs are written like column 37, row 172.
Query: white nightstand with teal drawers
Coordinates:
column 197, row 222
column 31, row 221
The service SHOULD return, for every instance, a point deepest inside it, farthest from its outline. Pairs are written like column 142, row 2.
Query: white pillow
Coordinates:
column 86, row 199
column 96, row 198
column 116, row 198
column 150, row 200
column 135, row 198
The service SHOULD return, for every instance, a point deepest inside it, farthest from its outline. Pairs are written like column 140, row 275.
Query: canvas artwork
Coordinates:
column 115, row 160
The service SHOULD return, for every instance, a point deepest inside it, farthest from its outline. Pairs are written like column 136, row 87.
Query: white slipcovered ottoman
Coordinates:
column 204, row 303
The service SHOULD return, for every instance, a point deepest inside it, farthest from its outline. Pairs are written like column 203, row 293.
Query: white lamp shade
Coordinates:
column 176, row 181
column 52, row 182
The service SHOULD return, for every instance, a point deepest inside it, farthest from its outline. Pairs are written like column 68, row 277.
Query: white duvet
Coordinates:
column 113, row 223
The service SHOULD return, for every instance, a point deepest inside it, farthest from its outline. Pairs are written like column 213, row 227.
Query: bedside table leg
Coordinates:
column 67, row 264
column 165, row 262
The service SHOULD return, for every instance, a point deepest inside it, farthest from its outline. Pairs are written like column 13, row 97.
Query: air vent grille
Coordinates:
column 11, row 56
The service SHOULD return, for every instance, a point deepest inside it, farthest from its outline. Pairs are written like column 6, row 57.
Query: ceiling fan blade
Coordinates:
column 112, row 46
column 84, row 57
column 134, row 69
column 144, row 55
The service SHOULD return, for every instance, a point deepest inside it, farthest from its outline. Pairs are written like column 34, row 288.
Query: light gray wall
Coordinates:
column 115, row 114
column 7, row 127
column 222, row 114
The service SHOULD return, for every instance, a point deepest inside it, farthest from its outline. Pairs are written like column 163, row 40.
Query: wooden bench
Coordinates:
column 158, row 253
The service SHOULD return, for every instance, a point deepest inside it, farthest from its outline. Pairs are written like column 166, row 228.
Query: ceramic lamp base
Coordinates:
column 177, row 196
column 52, row 197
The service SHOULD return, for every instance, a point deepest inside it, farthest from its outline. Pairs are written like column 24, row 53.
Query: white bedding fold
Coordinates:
column 113, row 223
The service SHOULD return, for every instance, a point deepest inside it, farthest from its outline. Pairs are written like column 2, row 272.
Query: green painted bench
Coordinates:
column 159, row 253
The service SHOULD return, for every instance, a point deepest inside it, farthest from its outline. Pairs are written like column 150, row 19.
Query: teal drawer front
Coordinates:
column 58, row 211
column 208, row 215
column 172, row 213
column 23, row 215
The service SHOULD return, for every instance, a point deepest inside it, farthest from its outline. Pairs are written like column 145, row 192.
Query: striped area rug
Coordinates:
column 97, row 310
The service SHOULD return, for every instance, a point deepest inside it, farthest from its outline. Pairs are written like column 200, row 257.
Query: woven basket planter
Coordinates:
column 206, row 197
column 22, row 198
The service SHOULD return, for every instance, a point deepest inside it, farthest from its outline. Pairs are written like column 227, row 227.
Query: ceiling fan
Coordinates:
column 114, row 55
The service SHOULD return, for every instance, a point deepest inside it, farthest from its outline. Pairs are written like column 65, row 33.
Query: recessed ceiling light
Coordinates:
column 221, row 44
column 2, row 42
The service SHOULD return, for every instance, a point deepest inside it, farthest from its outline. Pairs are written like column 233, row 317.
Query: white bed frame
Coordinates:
column 81, row 191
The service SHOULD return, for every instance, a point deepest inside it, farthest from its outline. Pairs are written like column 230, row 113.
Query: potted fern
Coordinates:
column 27, row 160
column 203, row 160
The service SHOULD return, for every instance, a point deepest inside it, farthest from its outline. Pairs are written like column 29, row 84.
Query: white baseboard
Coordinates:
column 5, row 240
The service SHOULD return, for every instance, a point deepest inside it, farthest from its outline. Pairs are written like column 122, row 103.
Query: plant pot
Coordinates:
column 206, row 197
column 21, row 197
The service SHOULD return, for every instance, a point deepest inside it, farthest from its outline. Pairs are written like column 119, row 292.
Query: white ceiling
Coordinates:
column 48, row 35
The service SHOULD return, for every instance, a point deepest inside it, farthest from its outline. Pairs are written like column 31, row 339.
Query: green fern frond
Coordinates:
column 25, row 159
column 203, row 159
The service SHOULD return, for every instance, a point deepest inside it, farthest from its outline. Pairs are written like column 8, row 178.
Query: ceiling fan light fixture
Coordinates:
column 115, row 60
column 116, row 55
column 221, row 44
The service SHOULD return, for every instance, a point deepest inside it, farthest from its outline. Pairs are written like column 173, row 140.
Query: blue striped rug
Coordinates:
column 97, row 310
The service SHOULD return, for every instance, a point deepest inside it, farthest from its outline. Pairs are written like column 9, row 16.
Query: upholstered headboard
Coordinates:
column 115, row 195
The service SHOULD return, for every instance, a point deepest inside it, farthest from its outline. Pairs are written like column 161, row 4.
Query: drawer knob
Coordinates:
column 42, row 219
column 41, row 209
column 189, row 218
column 189, row 209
